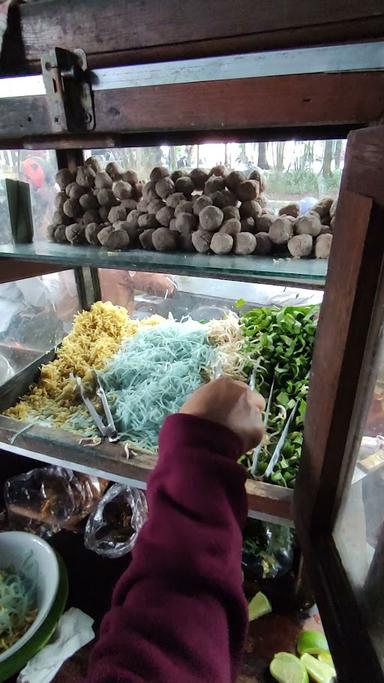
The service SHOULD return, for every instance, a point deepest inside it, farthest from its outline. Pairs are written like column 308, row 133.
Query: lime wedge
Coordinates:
column 326, row 657
column 259, row 606
column 312, row 642
column 286, row 668
column 318, row 671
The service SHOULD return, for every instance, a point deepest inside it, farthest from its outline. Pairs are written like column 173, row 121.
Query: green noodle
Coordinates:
column 151, row 377
column 17, row 602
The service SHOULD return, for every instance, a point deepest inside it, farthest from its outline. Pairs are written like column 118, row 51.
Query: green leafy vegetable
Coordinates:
column 280, row 341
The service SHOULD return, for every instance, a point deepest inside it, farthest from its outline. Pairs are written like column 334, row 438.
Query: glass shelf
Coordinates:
column 309, row 273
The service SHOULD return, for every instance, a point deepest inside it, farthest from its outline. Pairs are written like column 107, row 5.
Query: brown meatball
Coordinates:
column 164, row 239
column 211, row 218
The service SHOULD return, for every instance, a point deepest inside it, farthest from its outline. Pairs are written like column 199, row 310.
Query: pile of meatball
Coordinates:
column 220, row 211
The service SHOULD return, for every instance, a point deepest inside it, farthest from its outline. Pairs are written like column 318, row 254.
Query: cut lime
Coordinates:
column 318, row 671
column 326, row 657
column 259, row 606
column 286, row 668
column 312, row 642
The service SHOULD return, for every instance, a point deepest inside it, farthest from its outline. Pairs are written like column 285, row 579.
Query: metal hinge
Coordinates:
column 69, row 91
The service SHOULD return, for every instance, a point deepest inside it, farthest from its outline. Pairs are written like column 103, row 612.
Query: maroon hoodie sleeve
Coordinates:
column 178, row 612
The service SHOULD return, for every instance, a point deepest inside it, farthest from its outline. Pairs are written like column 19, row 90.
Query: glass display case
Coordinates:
column 175, row 286
column 315, row 96
column 41, row 315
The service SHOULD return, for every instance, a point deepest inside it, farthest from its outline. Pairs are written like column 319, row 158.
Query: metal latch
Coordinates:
column 69, row 91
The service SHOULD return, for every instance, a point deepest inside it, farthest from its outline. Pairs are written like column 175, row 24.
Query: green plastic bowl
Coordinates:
column 18, row 660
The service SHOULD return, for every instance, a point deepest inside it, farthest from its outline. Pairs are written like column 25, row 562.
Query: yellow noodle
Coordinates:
column 96, row 335
column 6, row 641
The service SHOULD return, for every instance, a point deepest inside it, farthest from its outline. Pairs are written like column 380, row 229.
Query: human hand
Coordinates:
column 155, row 283
column 232, row 404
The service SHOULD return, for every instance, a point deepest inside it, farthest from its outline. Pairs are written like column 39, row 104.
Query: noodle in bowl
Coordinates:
column 25, row 554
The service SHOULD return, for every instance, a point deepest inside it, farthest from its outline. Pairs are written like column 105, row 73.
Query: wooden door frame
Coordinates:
column 350, row 318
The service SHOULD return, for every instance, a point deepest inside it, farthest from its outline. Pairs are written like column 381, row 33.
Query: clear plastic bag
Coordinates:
column 48, row 499
column 113, row 527
column 268, row 549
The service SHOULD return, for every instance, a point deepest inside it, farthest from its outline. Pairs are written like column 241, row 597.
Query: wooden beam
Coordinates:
column 341, row 386
column 146, row 30
column 190, row 137
column 271, row 501
column 11, row 270
column 244, row 103
column 220, row 107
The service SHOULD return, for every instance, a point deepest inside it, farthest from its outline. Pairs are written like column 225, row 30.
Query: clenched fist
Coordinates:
column 232, row 404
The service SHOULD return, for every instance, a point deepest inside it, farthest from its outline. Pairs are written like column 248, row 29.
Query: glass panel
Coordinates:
column 294, row 169
column 35, row 314
column 38, row 168
column 305, row 272
column 299, row 172
column 359, row 532
column 144, row 294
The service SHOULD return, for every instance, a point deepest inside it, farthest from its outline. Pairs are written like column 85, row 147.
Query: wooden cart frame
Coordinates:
column 335, row 85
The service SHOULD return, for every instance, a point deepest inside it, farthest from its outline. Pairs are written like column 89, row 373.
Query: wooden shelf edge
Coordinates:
column 12, row 271
column 269, row 502
column 265, row 501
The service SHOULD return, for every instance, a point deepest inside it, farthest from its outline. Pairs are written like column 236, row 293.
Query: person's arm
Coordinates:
column 117, row 286
column 178, row 612
column 154, row 283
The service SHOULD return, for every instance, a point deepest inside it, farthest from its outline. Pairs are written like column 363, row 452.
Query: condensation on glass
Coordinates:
column 38, row 168
column 359, row 531
column 35, row 314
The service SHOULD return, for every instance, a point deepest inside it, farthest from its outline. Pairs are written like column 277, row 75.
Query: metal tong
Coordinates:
column 107, row 430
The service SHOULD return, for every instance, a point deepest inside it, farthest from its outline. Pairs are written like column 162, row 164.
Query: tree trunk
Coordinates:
column 172, row 161
column 243, row 158
column 338, row 150
column 327, row 159
column 148, row 157
column 226, row 155
column 279, row 155
column 189, row 154
column 262, row 156
column 308, row 155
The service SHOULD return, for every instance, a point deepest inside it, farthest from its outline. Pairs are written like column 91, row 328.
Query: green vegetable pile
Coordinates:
column 279, row 344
